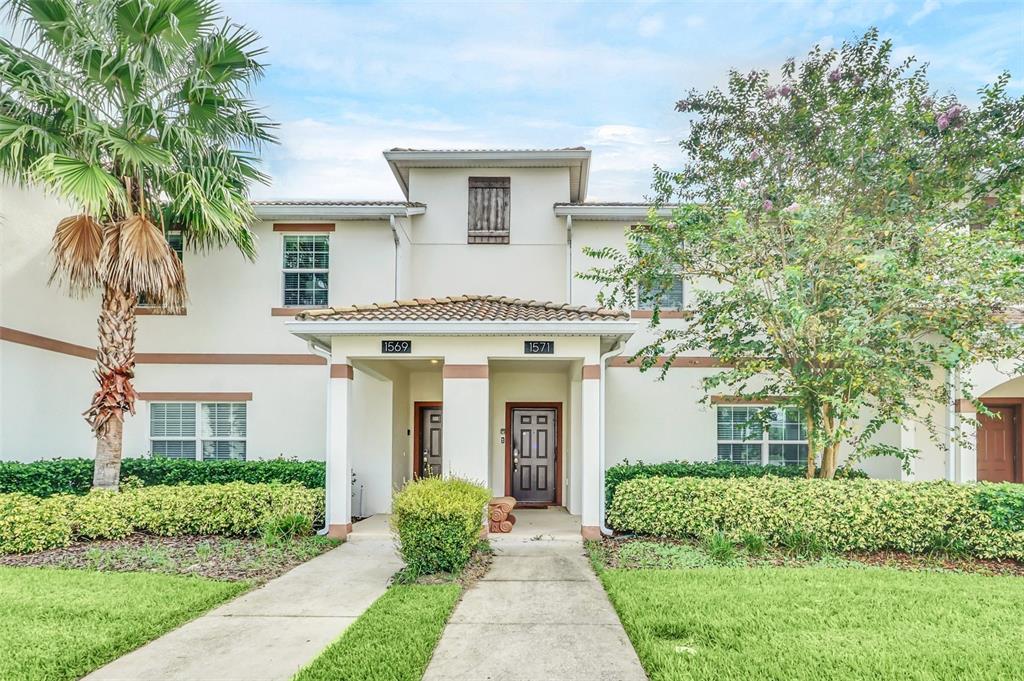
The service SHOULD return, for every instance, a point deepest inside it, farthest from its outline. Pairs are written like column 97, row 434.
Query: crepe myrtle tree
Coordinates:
column 137, row 114
column 850, row 235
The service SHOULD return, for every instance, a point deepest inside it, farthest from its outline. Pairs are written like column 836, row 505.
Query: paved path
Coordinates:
column 269, row 633
column 540, row 613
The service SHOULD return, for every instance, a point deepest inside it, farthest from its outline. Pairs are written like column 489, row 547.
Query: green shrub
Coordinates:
column 29, row 523
column 754, row 544
column 74, row 476
column 1005, row 503
column 803, row 544
column 843, row 515
column 437, row 522
column 719, row 548
column 701, row 469
column 285, row 528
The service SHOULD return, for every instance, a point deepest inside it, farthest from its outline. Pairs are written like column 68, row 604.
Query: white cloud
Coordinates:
column 927, row 8
column 650, row 26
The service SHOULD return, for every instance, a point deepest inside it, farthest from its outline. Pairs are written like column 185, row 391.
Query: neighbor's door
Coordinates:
column 997, row 445
column 430, row 441
column 534, row 455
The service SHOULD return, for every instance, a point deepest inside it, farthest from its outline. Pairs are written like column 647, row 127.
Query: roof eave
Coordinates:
column 323, row 329
column 320, row 212
column 599, row 212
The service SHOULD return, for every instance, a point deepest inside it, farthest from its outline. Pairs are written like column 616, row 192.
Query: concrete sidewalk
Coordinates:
column 539, row 613
column 269, row 633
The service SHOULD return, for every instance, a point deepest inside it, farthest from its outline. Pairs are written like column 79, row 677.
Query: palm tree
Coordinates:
column 137, row 112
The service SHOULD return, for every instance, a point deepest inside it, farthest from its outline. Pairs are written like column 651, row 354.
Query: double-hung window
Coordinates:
column 205, row 431
column 743, row 437
column 306, row 269
column 668, row 295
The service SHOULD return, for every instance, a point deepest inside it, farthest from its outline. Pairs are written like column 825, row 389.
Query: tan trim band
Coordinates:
column 966, row 407
column 591, row 372
column 664, row 314
column 64, row 348
column 303, row 226
column 290, row 311
column 339, row 531
column 44, row 343
column 465, row 371
column 341, row 371
column 677, row 363
column 196, row 397
column 736, row 399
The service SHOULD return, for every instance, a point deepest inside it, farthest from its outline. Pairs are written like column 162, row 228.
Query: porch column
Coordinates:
column 339, row 469
column 466, row 418
column 590, row 408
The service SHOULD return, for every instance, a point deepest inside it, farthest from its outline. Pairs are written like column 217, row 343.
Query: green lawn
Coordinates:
column 392, row 641
column 821, row 623
column 62, row 624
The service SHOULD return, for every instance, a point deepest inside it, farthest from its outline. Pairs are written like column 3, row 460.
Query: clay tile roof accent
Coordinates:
column 465, row 308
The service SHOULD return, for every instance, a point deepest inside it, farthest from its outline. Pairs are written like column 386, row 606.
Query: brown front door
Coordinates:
column 429, row 456
column 997, row 445
column 534, row 455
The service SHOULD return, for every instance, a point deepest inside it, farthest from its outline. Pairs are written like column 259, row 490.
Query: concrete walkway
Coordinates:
column 540, row 613
column 269, row 633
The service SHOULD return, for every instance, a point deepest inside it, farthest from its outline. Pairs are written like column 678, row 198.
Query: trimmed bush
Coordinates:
column 840, row 515
column 702, row 469
column 74, row 476
column 29, row 523
column 437, row 522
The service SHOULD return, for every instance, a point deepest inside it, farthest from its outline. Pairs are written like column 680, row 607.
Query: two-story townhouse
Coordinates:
column 442, row 332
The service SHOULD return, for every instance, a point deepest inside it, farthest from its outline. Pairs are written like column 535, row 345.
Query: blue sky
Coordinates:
column 349, row 80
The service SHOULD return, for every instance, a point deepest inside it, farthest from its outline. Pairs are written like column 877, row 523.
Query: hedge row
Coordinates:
column 701, row 469
column 74, row 476
column 30, row 523
column 985, row 520
column 438, row 523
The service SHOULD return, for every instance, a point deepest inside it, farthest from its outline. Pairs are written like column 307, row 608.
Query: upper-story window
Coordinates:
column 489, row 201
column 669, row 296
column 306, row 270
column 176, row 240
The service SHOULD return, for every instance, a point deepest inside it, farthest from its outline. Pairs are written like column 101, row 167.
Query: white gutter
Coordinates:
column 305, row 329
column 568, row 259
column 953, row 416
column 285, row 211
column 615, row 351
column 394, row 235
column 321, row 351
column 595, row 211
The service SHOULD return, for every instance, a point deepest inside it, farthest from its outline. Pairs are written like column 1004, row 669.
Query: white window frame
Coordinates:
column 198, row 438
column 641, row 305
column 305, row 270
column 764, row 441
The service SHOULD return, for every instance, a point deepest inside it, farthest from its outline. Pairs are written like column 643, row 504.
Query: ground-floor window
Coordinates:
column 206, row 431
column 743, row 437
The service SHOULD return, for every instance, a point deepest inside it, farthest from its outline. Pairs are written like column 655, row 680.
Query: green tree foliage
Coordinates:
column 852, row 237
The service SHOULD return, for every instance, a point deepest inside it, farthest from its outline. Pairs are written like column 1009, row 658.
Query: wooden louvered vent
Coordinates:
column 488, row 210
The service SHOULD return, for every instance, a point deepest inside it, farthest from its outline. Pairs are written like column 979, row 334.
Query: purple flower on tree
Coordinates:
column 742, row 184
column 953, row 113
column 791, row 208
column 785, row 91
column 835, row 74
column 770, row 93
column 754, row 155
column 768, row 205
column 943, row 122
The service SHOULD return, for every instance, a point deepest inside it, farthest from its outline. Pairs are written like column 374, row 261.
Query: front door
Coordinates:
column 997, row 445
column 429, row 461
column 534, row 465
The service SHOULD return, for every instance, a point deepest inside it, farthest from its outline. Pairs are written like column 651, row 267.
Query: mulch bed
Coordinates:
column 215, row 557
column 888, row 559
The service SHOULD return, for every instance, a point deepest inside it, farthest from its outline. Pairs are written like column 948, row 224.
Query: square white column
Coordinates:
column 339, row 467
column 466, row 421
column 590, row 408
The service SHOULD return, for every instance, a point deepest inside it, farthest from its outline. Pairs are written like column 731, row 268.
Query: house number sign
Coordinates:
column 391, row 347
column 539, row 347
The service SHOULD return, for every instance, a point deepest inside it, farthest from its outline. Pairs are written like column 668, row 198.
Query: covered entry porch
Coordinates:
column 500, row 391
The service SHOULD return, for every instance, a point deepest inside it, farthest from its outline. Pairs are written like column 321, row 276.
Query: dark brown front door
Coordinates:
column 429, row 441
column 997, row 445
column 534, row 455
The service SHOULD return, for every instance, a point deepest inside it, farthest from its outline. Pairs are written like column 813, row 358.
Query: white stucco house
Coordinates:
column 444, row 331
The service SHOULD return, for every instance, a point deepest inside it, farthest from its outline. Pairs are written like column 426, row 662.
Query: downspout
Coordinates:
column 953, row 419
column 614, row 352
column 321, row 351
column 394, row 235
column 568, row 259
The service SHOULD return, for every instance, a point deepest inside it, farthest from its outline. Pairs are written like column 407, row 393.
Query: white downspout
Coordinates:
column 394, row 235
column 321, row 351
column 568, row 259
column 615, row 351
column 953, row 419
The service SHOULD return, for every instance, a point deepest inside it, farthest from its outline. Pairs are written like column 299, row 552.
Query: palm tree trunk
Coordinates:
column 115, row 369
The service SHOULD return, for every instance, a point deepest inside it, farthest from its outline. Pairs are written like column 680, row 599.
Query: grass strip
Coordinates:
column 792, row 624
column 63, row 624
column 392, row 641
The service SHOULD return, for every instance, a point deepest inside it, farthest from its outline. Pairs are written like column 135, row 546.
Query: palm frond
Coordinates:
column 89, row 185
column 76, row 248
column 141, row 262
